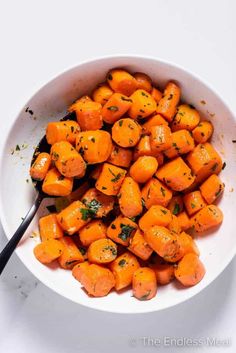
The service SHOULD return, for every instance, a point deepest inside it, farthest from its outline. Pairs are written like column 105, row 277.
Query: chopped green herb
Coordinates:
column 82, row 250
column 170, row 97
column 17, row 148
column 143, row 202
column 55, row 156
column 113, row 226
column 120, row 122
column 86, row 214
column 109, row 77
column 126, row 231
column 104, row 188
column 145, row 296
column 72, row 129
column 113, row 108
column 176, row 209
column 122, row 263
column 93, row 206
column 163, row 211
column 223, row 166
column 126, row 99
column 163, row 191
column 112, row 249
column 193, row 205
column 61, row 177
column 93, row 139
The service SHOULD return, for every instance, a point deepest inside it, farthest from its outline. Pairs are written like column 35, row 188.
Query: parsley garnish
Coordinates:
column 120, row 122
column 122, row 263
column 126, row 231
column 113, row 108
column 163, row 191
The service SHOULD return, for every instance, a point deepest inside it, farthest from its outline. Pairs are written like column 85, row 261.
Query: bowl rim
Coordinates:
column 3, row 220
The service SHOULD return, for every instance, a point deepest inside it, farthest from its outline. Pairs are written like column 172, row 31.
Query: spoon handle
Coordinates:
column 11, row 245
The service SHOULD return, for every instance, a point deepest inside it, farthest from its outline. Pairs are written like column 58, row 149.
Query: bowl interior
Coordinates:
column 17, row 193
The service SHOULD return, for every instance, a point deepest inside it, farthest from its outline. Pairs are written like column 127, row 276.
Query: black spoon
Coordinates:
column 43, row 146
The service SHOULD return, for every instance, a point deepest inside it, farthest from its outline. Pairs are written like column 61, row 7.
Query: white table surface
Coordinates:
column 38, row 40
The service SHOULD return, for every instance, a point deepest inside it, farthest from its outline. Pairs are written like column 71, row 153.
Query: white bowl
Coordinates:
column 50, row 103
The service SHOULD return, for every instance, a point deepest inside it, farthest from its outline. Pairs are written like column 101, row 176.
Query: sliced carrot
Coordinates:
column 70, row 255
column 143, row 104
column 102, row 251
column 176, row 205
column 121, row 230
column 120, row 156
column 130, row 198
column 40, row 166
column 204, row 161
column 92, row 231
column 98, row 203
column 155, row 192
column 144, row 283
column 190, row 270
column 102, row 94
column 161, row 138
column 58, row 131
column 168, row 103
column 48, row 251
column 110, row 179
column 79, row 269
column 74, row 217
column 143, row 169
column 156, row 215
column 182, row 143
column 184, row 221
column 88, row 113
column 186, row 117
column 203, row 132
column 164, row 271
column 121, row 81
column 117, row 105
column 143, row 81
column 176, row 174
column 153, row 121
column 49, row 227
column 126, row 132
column 156, row 94
column 56, row 184
column 138, row 245
column 187, row 244
column 94, row 146
column 212, row 188
column 193, row 202
column 123, row 268
column 207, row 218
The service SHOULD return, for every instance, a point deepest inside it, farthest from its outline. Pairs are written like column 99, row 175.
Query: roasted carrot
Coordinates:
column 49, row 228
column 74, row 217
column 70, row 255
column 156, row 94
column 190, row 270
column 98, row 203
column 117, row 105
column 120, row 156
column 110, row 179
column 56, row 184
column 102, row 251
column 153, row 121
column 40, row 166
column 143, row 81
column 138, row 245
column 123, row 268
column 67, row 160
column 121, row 81
column 143, row 169
column 126, row 132
column 164, row 271
column 208, row 217
column 97, row 280
column 94, row 146
column 156, row 215
column 102, row 94
column 168, row 103
column 121, row 230
column 174, row 225
column 143, row 104
column 92, row 231
column 88, row 113
column 143, row 148
column 182, row 143
column 187, row 117
column 184, row 220
column 79, row 269
column 48, row 251
column 212, row 188
column 82, row 99
column 204, row 161
column 58, row 131
column 160, row 138
column 144, row 283
column 176, row 174
column 130, row 198
column 164, row 243
column 203, row 132
column 176, row 205
column 187, row 244
column 193, row 202
column 155, row 192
